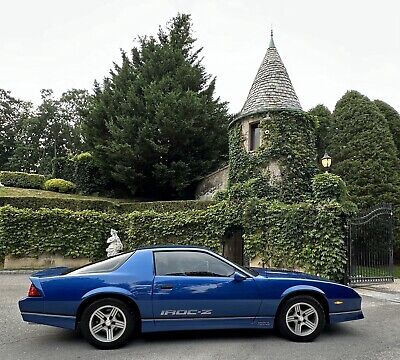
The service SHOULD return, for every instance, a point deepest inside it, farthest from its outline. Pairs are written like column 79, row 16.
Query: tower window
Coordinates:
column 254, row 140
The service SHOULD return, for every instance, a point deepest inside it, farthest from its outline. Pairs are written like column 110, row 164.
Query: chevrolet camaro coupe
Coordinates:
column 183, row 288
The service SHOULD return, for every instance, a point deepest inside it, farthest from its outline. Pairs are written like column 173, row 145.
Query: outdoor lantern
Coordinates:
column 326, row 161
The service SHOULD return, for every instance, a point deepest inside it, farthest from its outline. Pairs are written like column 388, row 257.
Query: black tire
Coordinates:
column 301, row 324
column 100, row 333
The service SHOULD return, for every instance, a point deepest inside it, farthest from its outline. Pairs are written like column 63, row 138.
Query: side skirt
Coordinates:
column 156, row 325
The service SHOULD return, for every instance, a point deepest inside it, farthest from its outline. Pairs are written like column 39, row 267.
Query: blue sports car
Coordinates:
column 183, row 288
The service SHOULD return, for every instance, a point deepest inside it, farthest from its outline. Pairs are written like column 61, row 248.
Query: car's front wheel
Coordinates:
column 107, row 323
column 301, row 318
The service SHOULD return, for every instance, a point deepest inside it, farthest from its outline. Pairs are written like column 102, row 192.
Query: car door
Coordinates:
column 195, row 289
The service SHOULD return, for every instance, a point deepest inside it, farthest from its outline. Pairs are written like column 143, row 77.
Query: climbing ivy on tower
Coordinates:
column 288, row 142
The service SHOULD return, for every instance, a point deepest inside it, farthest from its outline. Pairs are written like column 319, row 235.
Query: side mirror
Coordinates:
column 237, row 276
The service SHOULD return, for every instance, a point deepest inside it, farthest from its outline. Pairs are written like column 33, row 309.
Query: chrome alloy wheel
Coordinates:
column 302, row 319
column 107, row 323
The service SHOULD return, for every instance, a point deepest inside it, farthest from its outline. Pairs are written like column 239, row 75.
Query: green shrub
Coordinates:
column 164, row 206
column 81, row 170
column 22, row 180
column 27, row 232
column 87, row 175
column 33, row 202
column 63, row 168
column 59, row 185
column 101, row 205
column 328, row 186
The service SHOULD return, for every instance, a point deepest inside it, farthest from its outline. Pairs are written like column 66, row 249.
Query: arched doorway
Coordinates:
column 232, row 244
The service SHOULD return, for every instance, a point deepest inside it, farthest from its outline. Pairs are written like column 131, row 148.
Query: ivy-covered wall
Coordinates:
column 286, row 220
column 287, row 142
column 306, row 235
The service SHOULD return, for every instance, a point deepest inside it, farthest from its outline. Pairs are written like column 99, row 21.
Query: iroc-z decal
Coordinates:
column 185, row 312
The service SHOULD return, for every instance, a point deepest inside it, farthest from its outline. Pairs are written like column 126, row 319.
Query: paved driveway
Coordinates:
column 376, row 337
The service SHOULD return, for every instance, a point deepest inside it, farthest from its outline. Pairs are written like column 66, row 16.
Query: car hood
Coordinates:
column 281, row 273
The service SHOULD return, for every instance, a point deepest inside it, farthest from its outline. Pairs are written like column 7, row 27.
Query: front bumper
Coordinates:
column 345, row 316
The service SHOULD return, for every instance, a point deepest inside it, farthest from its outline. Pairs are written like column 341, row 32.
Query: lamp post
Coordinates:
column 326, row 162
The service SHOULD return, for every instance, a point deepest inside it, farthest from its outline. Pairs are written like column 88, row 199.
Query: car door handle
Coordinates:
column 166, row 287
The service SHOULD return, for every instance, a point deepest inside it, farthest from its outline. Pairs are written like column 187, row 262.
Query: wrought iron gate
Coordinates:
column 370, row 246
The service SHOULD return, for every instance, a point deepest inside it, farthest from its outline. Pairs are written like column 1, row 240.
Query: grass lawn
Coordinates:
column 375, row 271
column 397, row 271
column 19, row 192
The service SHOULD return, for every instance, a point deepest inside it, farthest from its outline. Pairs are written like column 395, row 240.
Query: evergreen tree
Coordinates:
column 363, row 151
column 393, row 119
column 154, row 124
column 323, row 122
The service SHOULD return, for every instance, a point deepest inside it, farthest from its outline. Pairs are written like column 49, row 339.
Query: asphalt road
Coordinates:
column 376, row 337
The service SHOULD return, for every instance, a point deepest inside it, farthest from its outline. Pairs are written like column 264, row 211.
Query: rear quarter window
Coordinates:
column 107, row 265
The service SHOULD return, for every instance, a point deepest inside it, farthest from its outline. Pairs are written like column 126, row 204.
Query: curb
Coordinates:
column 14, row 272
column 392, row 297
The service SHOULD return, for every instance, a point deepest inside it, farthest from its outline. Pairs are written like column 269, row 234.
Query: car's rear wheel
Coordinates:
column 107, row 323
column 301, row 318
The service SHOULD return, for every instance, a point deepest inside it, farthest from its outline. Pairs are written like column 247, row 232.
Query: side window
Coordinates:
column 103, row 266
column 190, row 263
column 254, row 136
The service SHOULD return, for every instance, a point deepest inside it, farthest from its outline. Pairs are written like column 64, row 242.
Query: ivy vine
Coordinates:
column 288, row 139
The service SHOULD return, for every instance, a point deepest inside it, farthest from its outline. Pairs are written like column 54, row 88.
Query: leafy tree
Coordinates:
column 324, row 120
column 363, row 151
column 53, row 130
column 12, row 114
column 154, row 124
column 73, row 108
column 393, row 119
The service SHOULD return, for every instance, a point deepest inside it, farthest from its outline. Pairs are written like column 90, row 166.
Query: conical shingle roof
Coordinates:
column 272, row 88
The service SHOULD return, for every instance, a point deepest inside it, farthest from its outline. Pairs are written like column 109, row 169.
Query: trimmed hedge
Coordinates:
column 307, row 235
column 73, row 204
column 87, row 175
column 83, row 171
column 27, row 232
column 63, row 168
column 59, row 185
column 22, row 180
column 328, row 186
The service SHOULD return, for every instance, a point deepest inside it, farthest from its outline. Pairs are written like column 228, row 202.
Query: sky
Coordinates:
column 328, row 47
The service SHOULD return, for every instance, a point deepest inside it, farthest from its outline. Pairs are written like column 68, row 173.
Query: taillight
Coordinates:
column 33, row 292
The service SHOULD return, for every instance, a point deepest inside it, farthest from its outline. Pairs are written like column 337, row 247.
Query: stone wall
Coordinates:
column 42, row 261
column 212, row 183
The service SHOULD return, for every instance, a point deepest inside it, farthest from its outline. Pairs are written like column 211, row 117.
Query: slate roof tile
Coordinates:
column 272, row 88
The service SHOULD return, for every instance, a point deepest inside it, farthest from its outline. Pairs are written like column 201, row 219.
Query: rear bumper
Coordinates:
column 345, row 316
column 63, row 321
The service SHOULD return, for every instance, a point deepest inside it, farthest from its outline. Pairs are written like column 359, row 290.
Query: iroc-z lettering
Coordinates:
column 185, row 312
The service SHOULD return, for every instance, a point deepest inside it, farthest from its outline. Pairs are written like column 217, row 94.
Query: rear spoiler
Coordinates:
column 60, row 270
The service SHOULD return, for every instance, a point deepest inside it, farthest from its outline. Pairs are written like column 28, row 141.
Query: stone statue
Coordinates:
column 115, row 246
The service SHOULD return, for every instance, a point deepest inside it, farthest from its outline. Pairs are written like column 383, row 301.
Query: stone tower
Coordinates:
column 272, row 141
